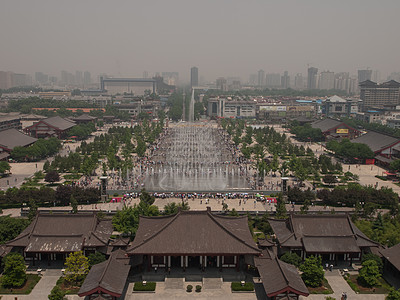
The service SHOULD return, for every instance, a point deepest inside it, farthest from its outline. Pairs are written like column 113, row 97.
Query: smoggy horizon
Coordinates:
column 222, row 38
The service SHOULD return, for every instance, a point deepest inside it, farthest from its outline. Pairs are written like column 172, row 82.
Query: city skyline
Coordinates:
column 236, row 40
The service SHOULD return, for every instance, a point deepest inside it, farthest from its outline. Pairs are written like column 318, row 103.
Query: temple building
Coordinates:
column 54, row 236
column 54, row 126
column 193, row 239
column 334, row 237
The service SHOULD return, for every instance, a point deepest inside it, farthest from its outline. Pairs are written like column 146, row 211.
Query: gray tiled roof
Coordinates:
column 326, row 124
column 60, row 123
column 320, row 233
column 279, row 277
column 11, row 138
column 109, row 275
column 193, row 232
column 392, row 254
column 63, row 233
column 376, row 141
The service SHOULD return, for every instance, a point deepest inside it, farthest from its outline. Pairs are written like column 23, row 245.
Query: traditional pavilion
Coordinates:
column 280, row 280
column 54, row 236
column 107, row 279
column 334, row 237
column 194, row 239
column 54, row 126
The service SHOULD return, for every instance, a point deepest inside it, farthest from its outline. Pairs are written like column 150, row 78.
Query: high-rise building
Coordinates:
column 273, row 80
column 285, row 80
column 298, row 81
column 87, row 78
column 326, row 81
column 194, row 76
column 312, row 78
column 261, row 78
column 364, row 75
column 379, row 95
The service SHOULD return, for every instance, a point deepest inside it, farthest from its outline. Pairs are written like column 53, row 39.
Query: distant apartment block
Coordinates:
column 312, row 78
column 273, row 80
column 326, row 81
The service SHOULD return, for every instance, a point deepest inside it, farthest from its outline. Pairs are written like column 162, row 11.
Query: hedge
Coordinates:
column 247, row 287
column 149, row 287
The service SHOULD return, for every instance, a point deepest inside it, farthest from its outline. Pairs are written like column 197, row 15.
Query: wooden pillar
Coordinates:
column 218, row 261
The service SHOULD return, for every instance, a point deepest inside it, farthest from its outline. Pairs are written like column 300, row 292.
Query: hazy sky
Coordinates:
column 220, row 37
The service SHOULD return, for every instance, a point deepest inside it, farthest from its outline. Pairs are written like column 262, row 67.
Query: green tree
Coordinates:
column 4, row 167
column 52, row 176
column 33, row 208
column 56, row 293
column 369, row 274
column 313, row 272
column 393, row 294
column 280, row 212
column 14, row 274
column 77, row 267
column 172, row 208
column 291, row 258
column 10, row 227
column 96, row 258
column 371, row 256
column 146, row 197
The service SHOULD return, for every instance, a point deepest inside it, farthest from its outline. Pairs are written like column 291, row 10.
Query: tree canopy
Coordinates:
column 14, row 274
column 350, row 151
column 313, row 272
column 77, row 267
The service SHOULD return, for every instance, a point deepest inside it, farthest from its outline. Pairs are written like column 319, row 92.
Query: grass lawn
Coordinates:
column 325, row 288
column 69, row 289
column 31, row 281
column 383, row 289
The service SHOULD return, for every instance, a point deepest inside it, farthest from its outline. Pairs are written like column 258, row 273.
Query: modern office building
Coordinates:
column 379, row 95
column 194, row 76
column 312, row 78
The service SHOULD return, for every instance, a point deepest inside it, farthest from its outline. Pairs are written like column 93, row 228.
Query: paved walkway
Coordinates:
column 42, row 289
column 339, row 285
